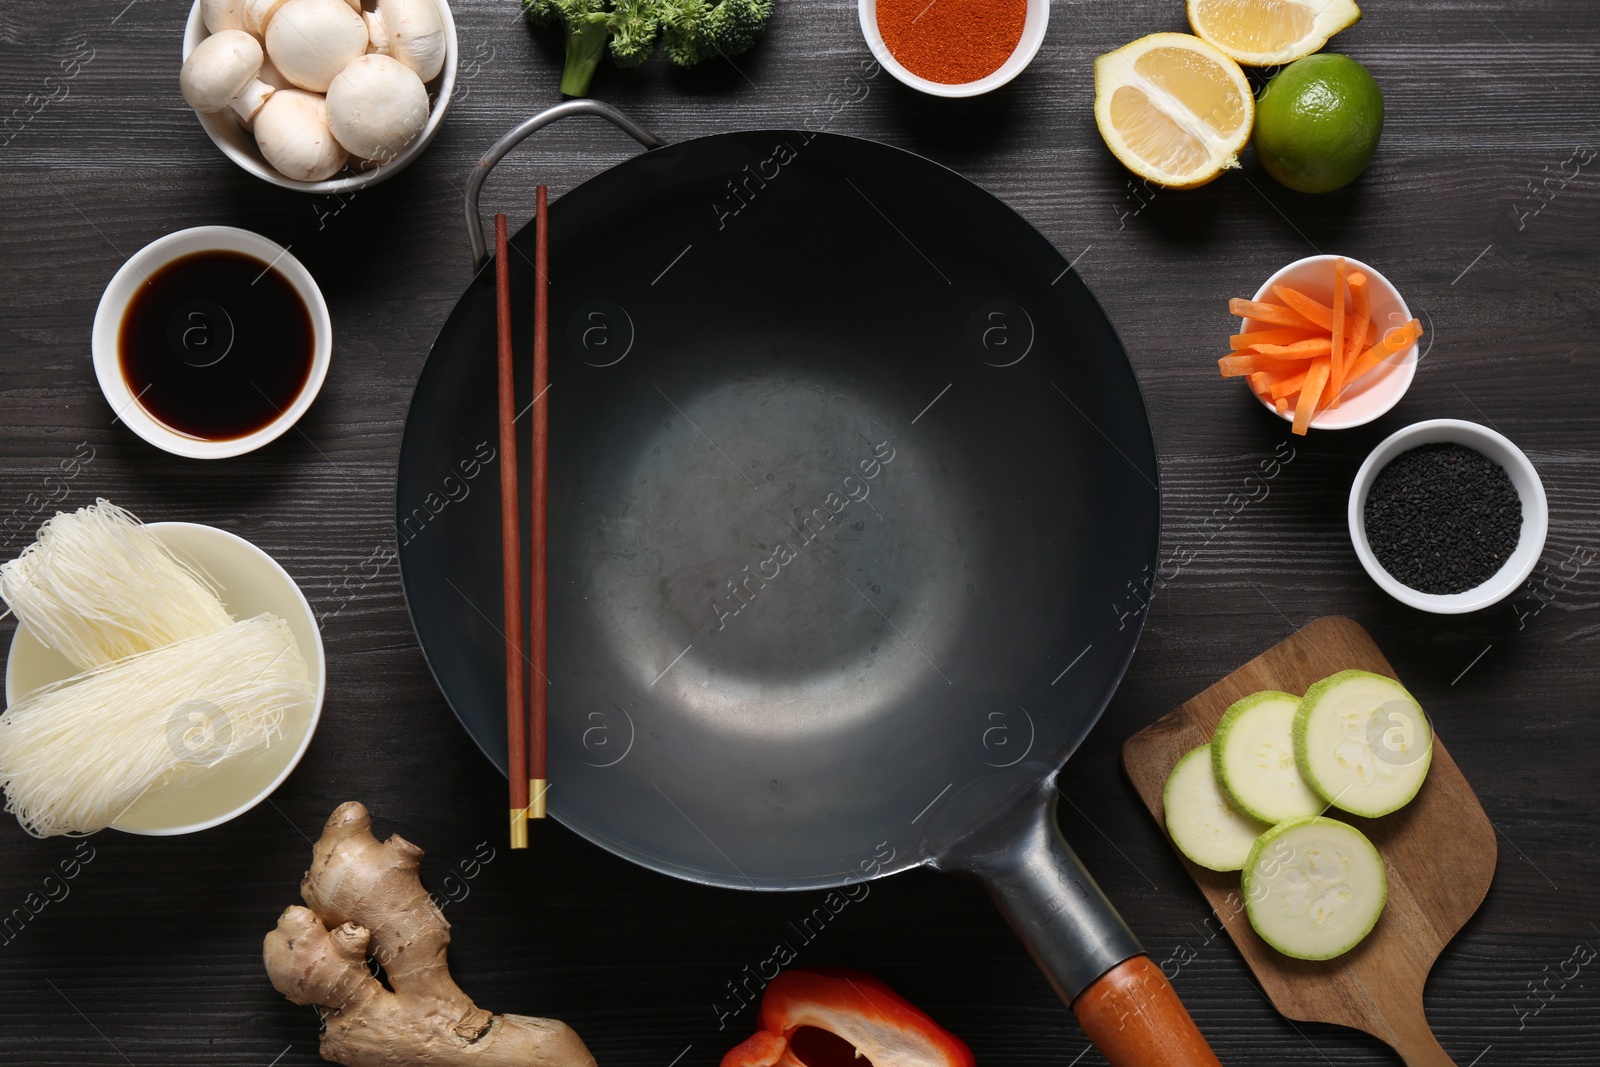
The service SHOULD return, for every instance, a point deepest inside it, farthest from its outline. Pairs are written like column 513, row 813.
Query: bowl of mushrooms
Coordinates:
column 324, row 96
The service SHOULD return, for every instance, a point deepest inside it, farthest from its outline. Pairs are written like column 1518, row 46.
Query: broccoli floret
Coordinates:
column 693, row 30
column 631, row 27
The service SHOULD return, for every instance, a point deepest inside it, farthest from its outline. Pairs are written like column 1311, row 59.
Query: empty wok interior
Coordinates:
column 848, row 484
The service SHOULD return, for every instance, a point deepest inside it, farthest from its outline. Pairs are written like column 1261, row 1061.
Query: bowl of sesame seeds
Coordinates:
column 1448, row 516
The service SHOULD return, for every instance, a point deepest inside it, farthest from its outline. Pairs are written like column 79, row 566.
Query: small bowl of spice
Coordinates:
column 954, row 47
column 1448, row 516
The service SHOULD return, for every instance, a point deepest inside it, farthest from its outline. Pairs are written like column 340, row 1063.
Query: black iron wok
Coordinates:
column 849, row 473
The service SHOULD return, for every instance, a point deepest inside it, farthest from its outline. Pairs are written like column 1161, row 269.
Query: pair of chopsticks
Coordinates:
column 525, row 705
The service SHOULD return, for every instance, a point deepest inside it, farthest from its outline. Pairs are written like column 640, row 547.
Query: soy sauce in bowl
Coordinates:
column 216, row 345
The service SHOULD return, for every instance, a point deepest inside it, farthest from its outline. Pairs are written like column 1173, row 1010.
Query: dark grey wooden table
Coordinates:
column 151, row 955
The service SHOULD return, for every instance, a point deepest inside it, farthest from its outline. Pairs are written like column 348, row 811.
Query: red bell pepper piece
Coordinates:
column 878, row 1024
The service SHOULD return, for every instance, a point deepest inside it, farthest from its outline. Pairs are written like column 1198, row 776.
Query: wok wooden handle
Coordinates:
column 1134, row 1017
column 1125, row 1004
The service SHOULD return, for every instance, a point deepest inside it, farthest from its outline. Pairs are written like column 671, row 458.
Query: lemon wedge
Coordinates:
column 1173, row 108
column 1263, row 33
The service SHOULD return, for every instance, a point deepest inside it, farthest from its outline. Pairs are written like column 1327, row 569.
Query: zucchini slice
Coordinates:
column 1253, row 757
column 1203, row 824
column 1363, row 742
column 1314, row 887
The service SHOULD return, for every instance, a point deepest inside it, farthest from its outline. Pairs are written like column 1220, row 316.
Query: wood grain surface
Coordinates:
column 1439, row 853
column 150, row 953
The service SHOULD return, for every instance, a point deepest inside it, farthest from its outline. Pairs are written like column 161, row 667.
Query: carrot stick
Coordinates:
column 1327, row 394
column 1270, row 384
column 1321, row 346
column 1287, row 387
column 1281, row 406
column 1353, row 338
column 1356, row 336
column 1270, row 337
column 1393, row 342
column 1240, row 364
column 1307, row 308
column 1298, row 367
column 1310, row 395
column 1337, row 341
column 1276, row 314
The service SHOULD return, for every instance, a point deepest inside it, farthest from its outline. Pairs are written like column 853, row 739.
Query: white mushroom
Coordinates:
column 222, row 72
column 377, row 106
column 219, row 15
column 258, row 13
column 292, row 132
column 410, row 31
column 312, row 40
column 273, row 76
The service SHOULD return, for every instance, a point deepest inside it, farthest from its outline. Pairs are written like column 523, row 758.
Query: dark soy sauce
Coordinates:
column 216, row 345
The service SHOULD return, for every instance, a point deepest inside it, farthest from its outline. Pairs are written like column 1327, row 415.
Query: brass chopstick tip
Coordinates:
column 537, row 788
column 519, row 827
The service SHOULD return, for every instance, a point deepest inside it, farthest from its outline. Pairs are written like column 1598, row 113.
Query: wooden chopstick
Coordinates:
column 511, row 544
column 538, row 782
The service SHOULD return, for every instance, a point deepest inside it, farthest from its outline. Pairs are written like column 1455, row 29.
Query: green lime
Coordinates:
column 1318, row 123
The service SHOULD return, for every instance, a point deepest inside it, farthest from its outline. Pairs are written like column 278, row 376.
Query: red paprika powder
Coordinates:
column 951, row 41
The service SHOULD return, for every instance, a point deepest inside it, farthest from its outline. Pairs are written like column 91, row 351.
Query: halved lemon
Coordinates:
column 1263, row 33
column 1173, row 108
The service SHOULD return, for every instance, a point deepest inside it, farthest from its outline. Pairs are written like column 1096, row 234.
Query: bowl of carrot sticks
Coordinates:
column 1327, row 343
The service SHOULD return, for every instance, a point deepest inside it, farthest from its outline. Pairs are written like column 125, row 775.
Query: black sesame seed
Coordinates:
column 1443, row 518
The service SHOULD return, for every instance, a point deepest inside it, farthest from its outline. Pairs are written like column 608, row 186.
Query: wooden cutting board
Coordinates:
column 1439, row 852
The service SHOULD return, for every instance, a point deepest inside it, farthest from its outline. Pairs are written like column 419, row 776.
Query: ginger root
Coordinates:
column 366, row 901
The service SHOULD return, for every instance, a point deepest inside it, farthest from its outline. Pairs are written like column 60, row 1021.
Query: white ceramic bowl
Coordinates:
column 1033, row 27
column 239, row 144
column 251, row 583
column 1530, row 490
column 151, row 258
column 1377, row 391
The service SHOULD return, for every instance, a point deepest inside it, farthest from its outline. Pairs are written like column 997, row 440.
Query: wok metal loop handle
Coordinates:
column 497, row 152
